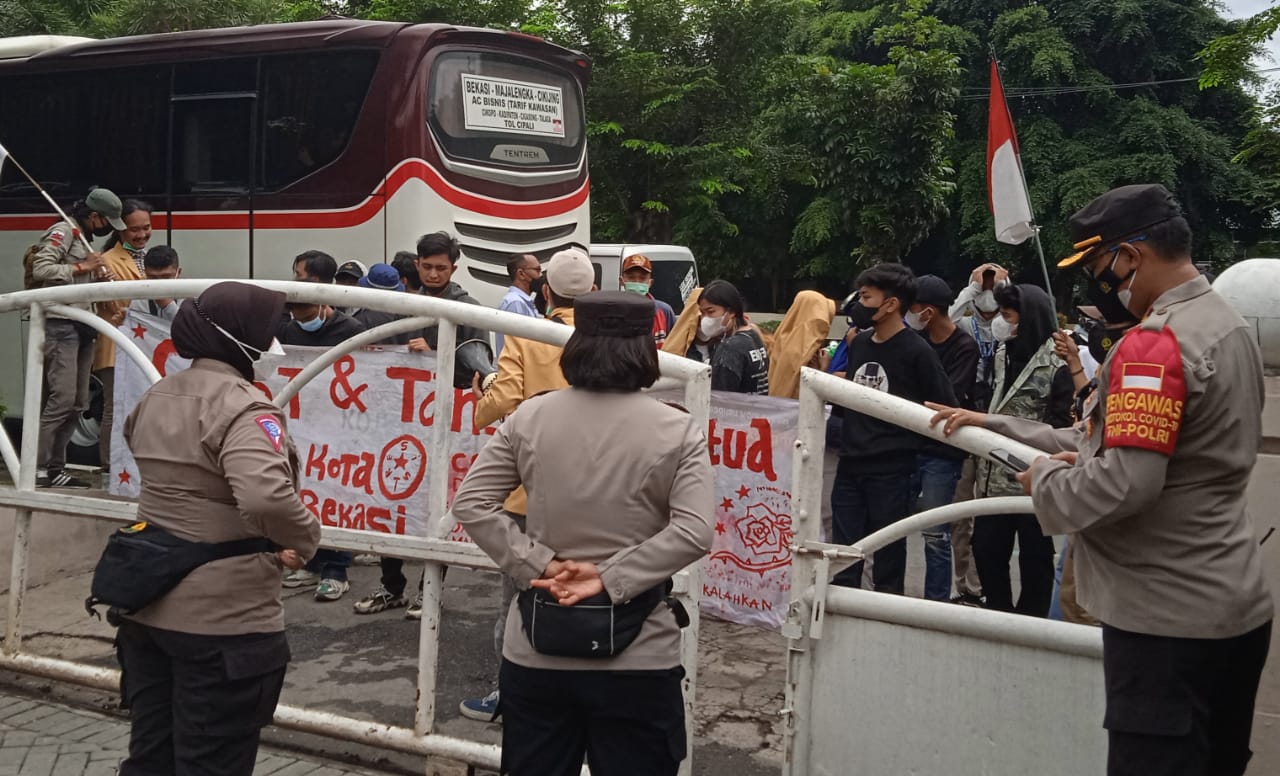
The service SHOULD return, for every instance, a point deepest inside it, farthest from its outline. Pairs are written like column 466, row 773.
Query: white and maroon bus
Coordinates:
column 257, row 143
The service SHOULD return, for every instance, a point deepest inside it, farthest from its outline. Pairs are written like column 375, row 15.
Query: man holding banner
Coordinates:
column 64, row 257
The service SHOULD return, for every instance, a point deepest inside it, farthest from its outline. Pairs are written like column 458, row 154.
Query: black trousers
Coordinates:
column 626, row 723
column 1180, row 707
column 992, row 543
column 197, row 703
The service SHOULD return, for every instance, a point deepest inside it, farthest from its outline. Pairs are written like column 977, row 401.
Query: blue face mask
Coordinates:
column 312, row 325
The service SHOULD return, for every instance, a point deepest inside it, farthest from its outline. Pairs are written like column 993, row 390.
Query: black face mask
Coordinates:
column 103, row 232
column 1102, row 339
column 1104, row 292
column 861, row 316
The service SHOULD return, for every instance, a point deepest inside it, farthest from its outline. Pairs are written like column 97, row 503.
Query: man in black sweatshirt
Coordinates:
column 877, row 459
column 940, row 464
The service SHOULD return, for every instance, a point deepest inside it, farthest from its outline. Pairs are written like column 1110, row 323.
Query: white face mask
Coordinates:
column 1126, row 296
column 274, row 349
column 986, row 302
column 1002, row 330
column 711, row 327
column 913, row 320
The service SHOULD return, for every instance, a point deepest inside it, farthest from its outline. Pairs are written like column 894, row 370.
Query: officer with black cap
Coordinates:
column 1151, row 485
column 621, row 497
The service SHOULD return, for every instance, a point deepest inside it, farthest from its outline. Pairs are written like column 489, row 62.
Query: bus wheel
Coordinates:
column 83, row 448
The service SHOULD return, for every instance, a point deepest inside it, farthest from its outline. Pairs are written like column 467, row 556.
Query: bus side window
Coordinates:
column 311, row 105
column 76, row 130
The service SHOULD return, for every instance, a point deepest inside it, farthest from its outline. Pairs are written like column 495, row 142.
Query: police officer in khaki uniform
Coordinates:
column 613, row 513
column 1151, row 487
column 62, row 259
column 204, row 665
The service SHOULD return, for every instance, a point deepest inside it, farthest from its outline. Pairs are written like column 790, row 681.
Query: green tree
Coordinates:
column 875, row 113
column 1103, row 94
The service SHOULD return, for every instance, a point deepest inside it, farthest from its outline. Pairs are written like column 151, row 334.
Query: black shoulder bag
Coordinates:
column 594, row 627
column 142, row 563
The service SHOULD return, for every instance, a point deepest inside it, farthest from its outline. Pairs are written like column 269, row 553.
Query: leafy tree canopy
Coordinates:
column 790, row 142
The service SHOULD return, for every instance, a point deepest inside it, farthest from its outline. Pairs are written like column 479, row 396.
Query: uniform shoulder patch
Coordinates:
column 270, row 426
column 1146, row 391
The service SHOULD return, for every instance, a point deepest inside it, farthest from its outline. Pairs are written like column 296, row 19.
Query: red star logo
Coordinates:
column 726, row 505
column 139, row 330
column 720, row 529
column 401, row 461
column 743, row 492
column 125, row 477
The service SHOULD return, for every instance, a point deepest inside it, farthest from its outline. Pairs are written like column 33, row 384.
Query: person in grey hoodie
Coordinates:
column 438, row 255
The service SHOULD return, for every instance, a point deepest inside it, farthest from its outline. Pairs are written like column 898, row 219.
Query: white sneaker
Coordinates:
column 332, row 589
column 299, row 578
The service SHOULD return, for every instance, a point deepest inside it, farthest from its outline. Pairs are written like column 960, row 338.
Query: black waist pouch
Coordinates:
column 142, row 563
column 594, row 627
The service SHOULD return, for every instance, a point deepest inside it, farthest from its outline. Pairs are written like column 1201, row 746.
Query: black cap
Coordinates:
column 1120, row 213
column 354, row 269
column 931, row 289
column 613, row 314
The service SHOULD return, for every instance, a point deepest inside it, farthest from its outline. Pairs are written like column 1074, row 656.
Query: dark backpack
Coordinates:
column 28, row 259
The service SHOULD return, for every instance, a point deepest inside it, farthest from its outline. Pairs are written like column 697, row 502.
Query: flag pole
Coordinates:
column 6, row 156
column 1035, row 235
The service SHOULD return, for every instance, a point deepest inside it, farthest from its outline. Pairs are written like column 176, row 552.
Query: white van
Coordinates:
column 675, row 271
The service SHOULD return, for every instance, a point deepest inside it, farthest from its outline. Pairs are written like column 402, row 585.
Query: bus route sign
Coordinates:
column 512, row 107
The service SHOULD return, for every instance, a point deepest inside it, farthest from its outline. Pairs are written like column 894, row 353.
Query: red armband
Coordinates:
column 1146, row 392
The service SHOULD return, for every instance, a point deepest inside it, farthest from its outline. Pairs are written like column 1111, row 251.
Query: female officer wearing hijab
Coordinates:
column 613, row 514
column 216, row 465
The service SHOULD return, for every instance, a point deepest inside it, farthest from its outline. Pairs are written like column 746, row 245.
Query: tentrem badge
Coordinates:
column 1146, row 392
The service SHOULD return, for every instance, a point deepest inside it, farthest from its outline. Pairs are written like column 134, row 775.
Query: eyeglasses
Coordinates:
column 1115, row 252
column 1116, row 247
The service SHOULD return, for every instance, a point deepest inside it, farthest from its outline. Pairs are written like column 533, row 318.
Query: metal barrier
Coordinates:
column 436, row 550
column 923, row 687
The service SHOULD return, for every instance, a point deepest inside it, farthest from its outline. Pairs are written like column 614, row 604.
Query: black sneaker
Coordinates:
column 60, row 479
column 969, row 599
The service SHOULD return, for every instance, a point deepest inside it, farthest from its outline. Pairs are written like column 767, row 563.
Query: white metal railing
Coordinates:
column 436, row 550
column 814, row 603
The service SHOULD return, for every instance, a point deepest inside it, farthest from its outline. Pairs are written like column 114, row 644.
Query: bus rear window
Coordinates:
column 500, row 109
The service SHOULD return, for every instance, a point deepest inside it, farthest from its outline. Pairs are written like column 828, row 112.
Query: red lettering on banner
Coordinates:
column 459, row 465
column 753, row 448
column 737, row 599
column 425, row 416
column 463, row 400
column 295, row 406
column 411, row 377
column 358, row 516
column 351, row 470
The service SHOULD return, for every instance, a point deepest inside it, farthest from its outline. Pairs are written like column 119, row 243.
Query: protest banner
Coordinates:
column 363, row 428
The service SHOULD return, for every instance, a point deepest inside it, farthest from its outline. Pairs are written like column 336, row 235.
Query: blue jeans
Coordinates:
column 331, row 564
column 934, row 485
column 862, row 505
column 1055, row 605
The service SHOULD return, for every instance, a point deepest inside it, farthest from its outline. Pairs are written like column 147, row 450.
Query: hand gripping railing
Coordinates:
column 813, row 561
column 436, row 550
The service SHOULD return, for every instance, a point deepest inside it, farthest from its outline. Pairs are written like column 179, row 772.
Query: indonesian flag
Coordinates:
column 1006, row 188
column 1142, row 377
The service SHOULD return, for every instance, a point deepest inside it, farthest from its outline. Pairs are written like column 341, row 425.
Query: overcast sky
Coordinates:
column 1239, row 9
